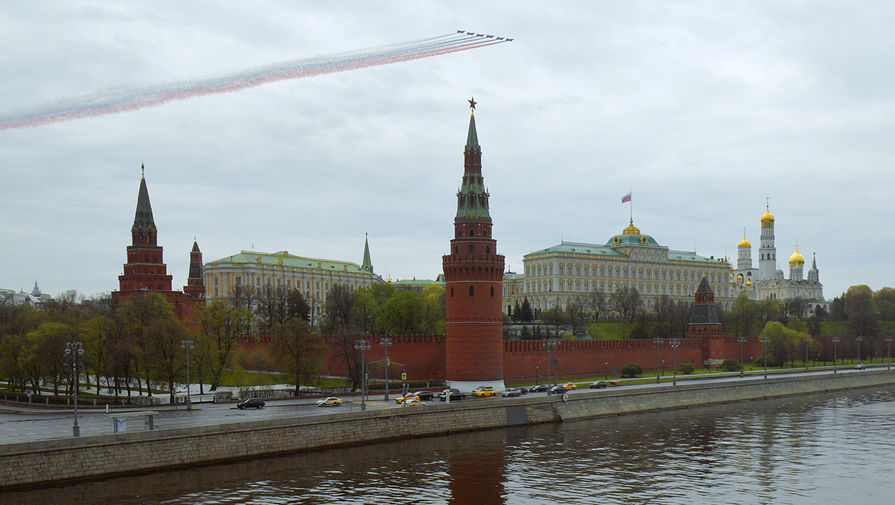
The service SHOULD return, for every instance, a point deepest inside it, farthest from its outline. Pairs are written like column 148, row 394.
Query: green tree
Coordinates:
column 743, row 316
column 783, row 342
column 527, row 314
column 884, row 299
column 863, row 316
column 221, row 325
column 298, row 349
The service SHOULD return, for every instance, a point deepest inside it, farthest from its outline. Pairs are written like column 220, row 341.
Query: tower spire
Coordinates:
column 367, row 264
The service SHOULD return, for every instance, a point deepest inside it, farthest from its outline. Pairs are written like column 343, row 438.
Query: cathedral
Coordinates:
column 767, row 281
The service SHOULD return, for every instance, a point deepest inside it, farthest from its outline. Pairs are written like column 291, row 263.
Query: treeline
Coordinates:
column 668, row 318
column 139, row 345
column 862, row 309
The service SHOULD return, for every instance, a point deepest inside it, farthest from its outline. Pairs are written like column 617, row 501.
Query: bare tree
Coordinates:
column 626, row 302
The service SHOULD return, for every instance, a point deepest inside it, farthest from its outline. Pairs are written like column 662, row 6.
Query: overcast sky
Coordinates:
column 702, row 109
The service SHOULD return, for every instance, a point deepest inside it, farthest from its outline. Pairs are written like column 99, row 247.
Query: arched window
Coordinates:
column 492, row 290
column 470, row 248
column 471, row 291
column 452, row 292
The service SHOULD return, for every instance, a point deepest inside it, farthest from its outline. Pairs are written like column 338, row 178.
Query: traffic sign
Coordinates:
column 403, row 376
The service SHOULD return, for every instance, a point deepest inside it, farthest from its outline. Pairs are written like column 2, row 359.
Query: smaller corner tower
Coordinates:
column 195, row 283
column 704, row 320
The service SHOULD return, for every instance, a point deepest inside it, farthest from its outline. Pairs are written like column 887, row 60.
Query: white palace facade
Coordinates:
column 557, row 275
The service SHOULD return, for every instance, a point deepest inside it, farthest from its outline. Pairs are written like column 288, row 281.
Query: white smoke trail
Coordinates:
column 125, row 99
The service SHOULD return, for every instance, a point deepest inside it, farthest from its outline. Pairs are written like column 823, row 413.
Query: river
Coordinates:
column 830, row 448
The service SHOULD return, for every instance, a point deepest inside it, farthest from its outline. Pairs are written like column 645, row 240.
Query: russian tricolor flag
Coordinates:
column 626, row 198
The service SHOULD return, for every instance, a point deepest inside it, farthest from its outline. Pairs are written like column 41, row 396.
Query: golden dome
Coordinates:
column 744, row 242
column 796, row 258
column 748, row 282
column 767, row 217
column 631, row 229
column 739, row 277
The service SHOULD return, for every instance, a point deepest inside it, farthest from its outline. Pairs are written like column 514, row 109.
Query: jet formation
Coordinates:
column 484, row 35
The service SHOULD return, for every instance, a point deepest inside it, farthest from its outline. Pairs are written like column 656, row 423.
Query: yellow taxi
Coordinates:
column 570, row 386
column 484, row 391
column 399, row 400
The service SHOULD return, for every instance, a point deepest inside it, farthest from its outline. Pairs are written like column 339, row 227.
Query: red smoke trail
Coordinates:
column 115, row 104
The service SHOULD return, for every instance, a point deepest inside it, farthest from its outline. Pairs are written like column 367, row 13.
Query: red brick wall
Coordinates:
column 526, row 361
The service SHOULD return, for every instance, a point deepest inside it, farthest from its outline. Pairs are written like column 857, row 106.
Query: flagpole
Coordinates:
column 631, row 215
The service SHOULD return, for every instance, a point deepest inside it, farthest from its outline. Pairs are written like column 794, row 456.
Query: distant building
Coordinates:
column 313, row 277
column 557, row 275
column 145, row 270
column 12, row 297
column 767, row 281
column 417, row 284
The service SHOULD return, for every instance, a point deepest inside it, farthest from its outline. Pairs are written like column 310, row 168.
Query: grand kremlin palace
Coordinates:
column 313, row 277
column 556, row 276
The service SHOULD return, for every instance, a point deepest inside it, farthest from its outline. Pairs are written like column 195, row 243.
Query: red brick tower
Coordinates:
column 195, row 284
column 144, row 270
column 473, row 275
column 704, row 320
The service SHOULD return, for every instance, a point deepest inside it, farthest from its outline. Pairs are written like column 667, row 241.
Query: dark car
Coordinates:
column 424, row 395
column 250, row 403
column 597, row 385
column 455, row 394
column 540, row 388
column 558, row 390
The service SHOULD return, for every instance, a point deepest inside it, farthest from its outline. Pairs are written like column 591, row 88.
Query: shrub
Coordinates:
column 631, row 370
column 730, row 365
column 686, row 368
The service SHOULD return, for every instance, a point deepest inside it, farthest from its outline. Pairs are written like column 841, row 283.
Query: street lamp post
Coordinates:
column 835, row 341
column 658, row 342
column 385, row 342
column 741, row 340
column 550, row 347
column 74, row 350
column 859, row 339
column 807, row 341
column 537, row 375
column 889, row 341
column 674, row 344
column 362, row 345
column 606, row 367
column 764, row 352
column 187, row 345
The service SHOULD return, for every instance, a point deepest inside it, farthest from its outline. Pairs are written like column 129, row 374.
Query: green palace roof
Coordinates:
column 283, row 258
column 617, row 250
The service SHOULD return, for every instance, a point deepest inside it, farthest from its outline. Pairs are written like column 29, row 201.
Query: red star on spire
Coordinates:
column 472, row 103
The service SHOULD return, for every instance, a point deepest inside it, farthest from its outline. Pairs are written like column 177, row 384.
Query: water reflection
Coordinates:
column 822, row 449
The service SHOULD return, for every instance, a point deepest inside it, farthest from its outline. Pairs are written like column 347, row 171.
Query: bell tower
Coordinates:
column 473, row 273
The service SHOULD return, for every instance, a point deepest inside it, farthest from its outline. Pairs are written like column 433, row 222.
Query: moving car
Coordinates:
column 332, row 401
column 570, row 385
column 250, row 403
column 424, row 395
column 597, row 385
column 414, row 403
column 454, row 393
column 484, row 391
column 512, row 392
column 540, row 388
column 558, row 390
column 859, row 366
column 402, row 399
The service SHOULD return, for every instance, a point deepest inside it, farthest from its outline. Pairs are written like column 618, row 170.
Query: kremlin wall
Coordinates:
column 472, row 351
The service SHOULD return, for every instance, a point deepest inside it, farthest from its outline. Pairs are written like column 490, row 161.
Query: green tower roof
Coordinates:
column 143, row 217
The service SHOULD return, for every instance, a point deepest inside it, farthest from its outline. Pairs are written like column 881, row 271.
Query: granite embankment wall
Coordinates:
column 33, row 463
